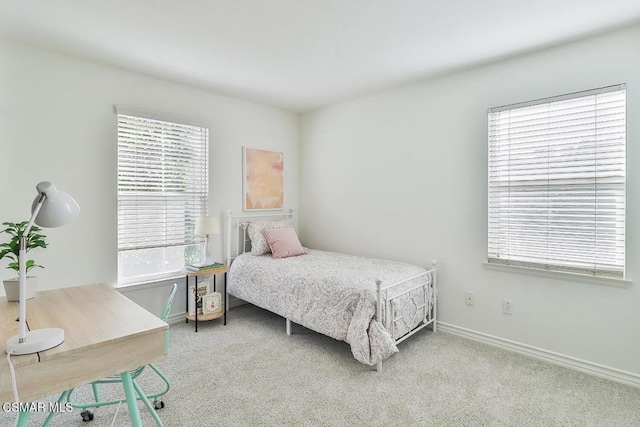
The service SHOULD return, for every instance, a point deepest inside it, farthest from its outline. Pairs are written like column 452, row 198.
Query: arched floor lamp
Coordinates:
column 51, row 208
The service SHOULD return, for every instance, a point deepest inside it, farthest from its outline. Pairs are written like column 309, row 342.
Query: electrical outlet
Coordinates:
column 469, row 298
column 507, row 306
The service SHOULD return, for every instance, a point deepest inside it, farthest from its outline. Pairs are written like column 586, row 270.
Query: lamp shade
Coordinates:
column 206, row 225
column 58, row 207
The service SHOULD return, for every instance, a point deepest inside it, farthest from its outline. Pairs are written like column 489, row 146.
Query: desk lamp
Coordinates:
column 206, row 226
column 51, row 208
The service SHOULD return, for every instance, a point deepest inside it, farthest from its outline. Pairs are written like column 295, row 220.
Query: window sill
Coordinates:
column 560, row 275
column 149, row 282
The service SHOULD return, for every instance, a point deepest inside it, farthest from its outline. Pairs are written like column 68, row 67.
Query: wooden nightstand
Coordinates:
column 208, row 273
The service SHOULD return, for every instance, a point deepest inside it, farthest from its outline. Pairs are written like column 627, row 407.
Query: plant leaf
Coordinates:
column 11, row 249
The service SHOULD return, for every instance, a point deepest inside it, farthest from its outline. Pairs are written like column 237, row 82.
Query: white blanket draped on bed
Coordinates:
column 328, row 292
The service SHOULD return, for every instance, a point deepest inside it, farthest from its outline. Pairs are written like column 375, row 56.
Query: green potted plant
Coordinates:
column 11, row 249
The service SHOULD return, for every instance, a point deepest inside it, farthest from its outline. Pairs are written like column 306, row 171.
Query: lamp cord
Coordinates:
column 13, row 378
column 116, row 414
column 13, row 384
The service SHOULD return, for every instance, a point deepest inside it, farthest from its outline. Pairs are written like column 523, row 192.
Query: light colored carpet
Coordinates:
column 250, row 373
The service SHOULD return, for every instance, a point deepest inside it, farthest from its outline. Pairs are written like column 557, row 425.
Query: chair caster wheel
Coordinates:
column 86, row 416
column 158, row 404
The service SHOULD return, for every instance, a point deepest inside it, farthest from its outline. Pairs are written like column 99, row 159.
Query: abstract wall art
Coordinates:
column 263, row 179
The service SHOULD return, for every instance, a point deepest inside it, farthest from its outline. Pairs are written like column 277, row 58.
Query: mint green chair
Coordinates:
column 87, row 415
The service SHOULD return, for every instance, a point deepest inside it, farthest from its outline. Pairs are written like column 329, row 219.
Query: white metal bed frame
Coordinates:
column 427, row 310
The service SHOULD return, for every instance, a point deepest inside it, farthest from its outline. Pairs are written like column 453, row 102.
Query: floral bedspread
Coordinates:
column 328, row 292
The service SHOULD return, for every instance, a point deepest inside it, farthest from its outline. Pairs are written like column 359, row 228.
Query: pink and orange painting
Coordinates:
column 263, row 180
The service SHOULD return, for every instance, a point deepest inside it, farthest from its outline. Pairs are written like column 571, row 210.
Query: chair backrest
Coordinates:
column 167, row 307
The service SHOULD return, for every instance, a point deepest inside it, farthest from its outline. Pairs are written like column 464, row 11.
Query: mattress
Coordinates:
column 333, row 294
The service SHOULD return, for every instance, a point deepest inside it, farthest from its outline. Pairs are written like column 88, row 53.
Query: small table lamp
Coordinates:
column 207, row 226
column 50, row 208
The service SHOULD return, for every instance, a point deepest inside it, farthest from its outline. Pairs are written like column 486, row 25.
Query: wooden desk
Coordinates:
column 105, row 334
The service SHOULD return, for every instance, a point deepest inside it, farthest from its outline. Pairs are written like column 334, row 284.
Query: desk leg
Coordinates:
column 132, row 402
column 23, row 419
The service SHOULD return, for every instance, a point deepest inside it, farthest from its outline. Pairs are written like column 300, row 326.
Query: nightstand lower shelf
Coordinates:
column 205, row 317
column 200, row 317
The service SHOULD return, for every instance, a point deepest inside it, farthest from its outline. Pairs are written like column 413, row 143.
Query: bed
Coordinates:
column 371, row 304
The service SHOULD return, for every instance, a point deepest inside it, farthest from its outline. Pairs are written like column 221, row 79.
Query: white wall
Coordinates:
column 403, row 175
column 57, row 123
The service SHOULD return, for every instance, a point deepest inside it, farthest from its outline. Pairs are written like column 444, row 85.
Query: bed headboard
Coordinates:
column 238, row 241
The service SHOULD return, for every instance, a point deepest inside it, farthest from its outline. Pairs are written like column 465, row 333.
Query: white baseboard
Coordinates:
column 591, row 368
column 175, row 318
column 179, row 317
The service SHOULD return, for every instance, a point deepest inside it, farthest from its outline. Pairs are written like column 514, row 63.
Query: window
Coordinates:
column 557, row 183
column 163, row 184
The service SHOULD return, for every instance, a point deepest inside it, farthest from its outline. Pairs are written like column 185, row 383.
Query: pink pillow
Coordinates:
column 283, row 242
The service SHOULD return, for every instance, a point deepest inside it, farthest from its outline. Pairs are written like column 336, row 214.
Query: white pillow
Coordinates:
column 259, row 245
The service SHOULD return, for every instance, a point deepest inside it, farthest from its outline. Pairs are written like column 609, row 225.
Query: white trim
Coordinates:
column 141, row 283
column 606, row 372
column 562, row 275
column 176, row 317
column 179, row 317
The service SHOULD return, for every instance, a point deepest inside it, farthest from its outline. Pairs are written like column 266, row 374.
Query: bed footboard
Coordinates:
column 426, row 307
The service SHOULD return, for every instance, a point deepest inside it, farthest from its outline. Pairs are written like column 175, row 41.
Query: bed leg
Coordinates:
column 379, row 366
column 288, row 327
column 434, row 281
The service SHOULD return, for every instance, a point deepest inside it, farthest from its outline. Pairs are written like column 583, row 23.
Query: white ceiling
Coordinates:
column 303, row 54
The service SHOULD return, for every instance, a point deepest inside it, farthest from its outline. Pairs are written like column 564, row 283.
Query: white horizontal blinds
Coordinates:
column 557, row 183
column 162, row 181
